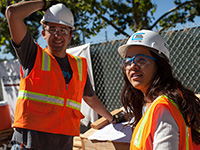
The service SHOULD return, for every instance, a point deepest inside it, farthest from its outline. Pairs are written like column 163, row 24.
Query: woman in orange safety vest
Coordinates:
column 172, row 118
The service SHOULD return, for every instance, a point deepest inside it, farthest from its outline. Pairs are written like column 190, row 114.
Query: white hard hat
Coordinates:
column 149, row 39
column 60, row 14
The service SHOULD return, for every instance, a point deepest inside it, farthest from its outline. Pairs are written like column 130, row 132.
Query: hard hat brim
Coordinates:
column 122, row 50
column 58, row 22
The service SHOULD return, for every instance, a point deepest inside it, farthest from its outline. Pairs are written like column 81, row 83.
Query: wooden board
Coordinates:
column 104, row 145
column 101, row 145
column 5, row 136
column 198, row 95
column 103, row 121
column 77, row 143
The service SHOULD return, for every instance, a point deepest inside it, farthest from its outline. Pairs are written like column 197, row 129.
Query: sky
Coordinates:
column 162, row 7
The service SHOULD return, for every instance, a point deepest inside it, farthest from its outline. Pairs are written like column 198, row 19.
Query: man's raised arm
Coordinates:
column 15, row 15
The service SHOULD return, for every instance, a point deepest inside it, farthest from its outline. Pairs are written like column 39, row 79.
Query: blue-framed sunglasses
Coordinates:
column 139, row 60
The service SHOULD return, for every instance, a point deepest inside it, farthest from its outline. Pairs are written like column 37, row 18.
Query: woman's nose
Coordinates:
column 133, row 65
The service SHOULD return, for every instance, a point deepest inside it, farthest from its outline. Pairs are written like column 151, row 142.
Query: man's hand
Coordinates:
column 48, row 3
column 118, row 118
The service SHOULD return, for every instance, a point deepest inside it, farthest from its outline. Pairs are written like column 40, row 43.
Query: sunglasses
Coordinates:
column 54, row 30
column 139, row 60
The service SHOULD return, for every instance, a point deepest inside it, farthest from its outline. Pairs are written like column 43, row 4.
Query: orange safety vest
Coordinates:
column 45, row 103
column 143, row 129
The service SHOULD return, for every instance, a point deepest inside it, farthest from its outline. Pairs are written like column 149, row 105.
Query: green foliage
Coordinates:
column 93, row 15
column 183, row 12
column 4, row 31
column 5, row 39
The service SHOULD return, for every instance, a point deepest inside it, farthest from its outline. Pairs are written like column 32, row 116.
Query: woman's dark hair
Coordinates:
column 164, row 83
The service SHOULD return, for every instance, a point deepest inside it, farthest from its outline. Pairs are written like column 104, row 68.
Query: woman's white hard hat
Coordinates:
column 149, row 39
column 59, row 14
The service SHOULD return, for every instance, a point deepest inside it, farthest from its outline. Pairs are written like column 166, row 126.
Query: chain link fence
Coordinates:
column 184, row 57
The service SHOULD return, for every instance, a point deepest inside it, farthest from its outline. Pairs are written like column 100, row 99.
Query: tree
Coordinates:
column 93, row 15
column 134, row 14
column 33, row 23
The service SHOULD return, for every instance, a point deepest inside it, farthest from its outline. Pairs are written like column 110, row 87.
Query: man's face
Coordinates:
column 57, row 37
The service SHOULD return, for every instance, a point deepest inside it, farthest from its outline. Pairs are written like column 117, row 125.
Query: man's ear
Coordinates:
column 43, row 34
column 71, row 35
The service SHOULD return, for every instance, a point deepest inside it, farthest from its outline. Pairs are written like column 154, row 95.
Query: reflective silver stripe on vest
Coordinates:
column 73, row 104
column 41, row 97
column 79, row 66
column 46, row 61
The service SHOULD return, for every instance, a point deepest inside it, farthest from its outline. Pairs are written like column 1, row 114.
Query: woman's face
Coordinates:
column 141, row 73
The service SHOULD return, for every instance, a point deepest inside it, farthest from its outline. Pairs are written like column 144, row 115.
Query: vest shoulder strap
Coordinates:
column 81, row 64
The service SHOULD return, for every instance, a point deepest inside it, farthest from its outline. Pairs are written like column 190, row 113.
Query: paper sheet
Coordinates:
column 113, row 132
